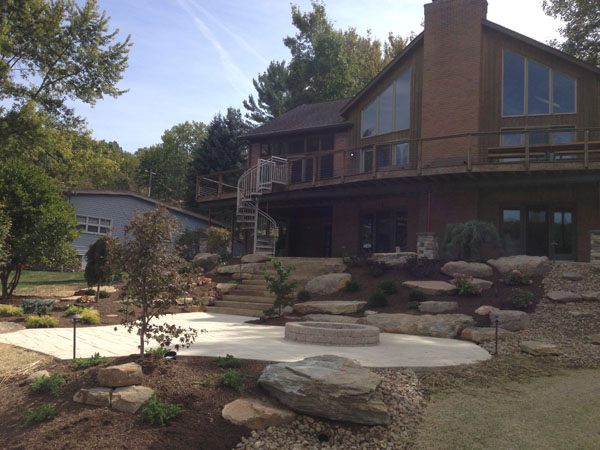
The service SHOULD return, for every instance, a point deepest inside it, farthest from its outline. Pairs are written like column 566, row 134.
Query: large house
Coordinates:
column 471, row 121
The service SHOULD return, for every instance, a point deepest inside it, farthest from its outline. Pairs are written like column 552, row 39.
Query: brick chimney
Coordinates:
column 451, row 73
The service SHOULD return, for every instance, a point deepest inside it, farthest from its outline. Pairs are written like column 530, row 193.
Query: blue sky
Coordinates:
column 194, row 58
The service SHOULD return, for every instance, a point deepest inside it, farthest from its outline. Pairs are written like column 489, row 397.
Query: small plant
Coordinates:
column 73, row 310
column 388, row 287
column 94, row 360
column 48, row 385
column 218, row 241
column 279, row 285
column 104, row 294
column 37, row 306
column 465, row 241
column 89, row 291
column 416, row 296
column 185, row 269
column 160, row 351
column 10, row 310
column 376, row 268
column 40, row 322
column 413, row 305
column 39, row 414
column 303, row 295
column 159, row 414
column 228, row 362
column 352, row 286
column 90, row 316
column 378, row 299
column 515, row 277
column 231, row 378
column 465, row 285
column 521, row 298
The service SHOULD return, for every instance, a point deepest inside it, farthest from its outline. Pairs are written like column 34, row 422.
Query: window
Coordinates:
column 312, row 144
column 366, row 160
column 296, row 146
column 93, row 225
column 327, row 142
column 390, row 111
column 326, row 167
column 302, row 171
column 511, row 230
column 392, row 155
column 530, row 88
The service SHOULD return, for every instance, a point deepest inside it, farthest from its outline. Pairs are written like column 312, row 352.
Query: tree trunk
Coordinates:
column 98, row 292
column 4, row 274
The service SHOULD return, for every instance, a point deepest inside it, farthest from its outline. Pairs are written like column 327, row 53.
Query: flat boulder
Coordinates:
column 591, row 296
column 99, row 396
column 122, row 375
column 241, row 268
column 433, row 307
column 400, row 259
column 482, row 284
column 256, row 414
column 328, row 284
column 572, row 276
column 205, row 260
column 130, row 399
column 485, row 310
column 256, row 258
column 330, row 318
column 564, row 296
column 529, row 265
column 510, row 320
column 10, row 327
column 595, row 338
column 432, row 287
column 330, row 307
column 439, row 325
column 328, row 386
column 470, row 269
column 536, row 348
column 226, row 288
column 484, row 334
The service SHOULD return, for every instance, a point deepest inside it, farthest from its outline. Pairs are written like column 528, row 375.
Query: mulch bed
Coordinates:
column 81, row 426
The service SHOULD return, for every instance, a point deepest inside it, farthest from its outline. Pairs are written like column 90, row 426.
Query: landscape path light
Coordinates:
column 75, row 318
column 496, row 319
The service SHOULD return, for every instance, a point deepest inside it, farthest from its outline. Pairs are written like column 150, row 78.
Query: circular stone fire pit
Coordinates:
column 327, row 333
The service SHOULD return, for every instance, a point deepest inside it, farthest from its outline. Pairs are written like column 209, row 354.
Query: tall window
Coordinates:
column 95, row 225
column 390, row 111
column 529, row 88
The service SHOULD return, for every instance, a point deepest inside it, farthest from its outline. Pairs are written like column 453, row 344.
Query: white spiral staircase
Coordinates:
column 253, row 183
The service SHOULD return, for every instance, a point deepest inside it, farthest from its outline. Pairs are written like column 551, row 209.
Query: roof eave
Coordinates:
column 258, row 136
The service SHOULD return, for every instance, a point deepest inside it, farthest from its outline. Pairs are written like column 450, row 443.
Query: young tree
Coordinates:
column 98, row 270
column 582, row 27
column 153, row 282
column 43, row 223
column 279, row 286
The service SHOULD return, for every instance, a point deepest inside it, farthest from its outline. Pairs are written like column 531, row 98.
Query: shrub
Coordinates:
column 416, row 296
column 89, row 291
column 515, row 277
column 465, row 285
column 185, row 269
column 39, row 414
column 218, row 240
column 48, row 385
column 90, row 316
column 73, row 310
column 521, row 298
column 388, row 287
column 413, row 305
column 157, row 413
column 41, row 322
column 98, row 270
column 303, row 295
column 352, row 286
column 10, row 310
column 231, row 378
column 94, row 360
column 37, row 306
column 376, row 268
column 378, row 299
column 159, row 351
column 279, row 286
column 228, row 362
column 465, row 240
column 421, row 267
column 104, row 294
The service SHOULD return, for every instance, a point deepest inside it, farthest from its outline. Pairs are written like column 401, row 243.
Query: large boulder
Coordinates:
column 130, row 399
column 510, row 320
column 401, row 259
column 328, row 284
column 529, row 265
column 99, row 396
column 433, row 307
column 205, row 260
column 592, row 296
column 484, row 334
column 432, row 287
column 469, row 269
column 330, row 307
column 564, row 296
column 439, row 325
column 331, row 318
column 328, row 386
column 241, row 268
column 256, row 258
column 226, row 288
column 122, row 375
column 536, row 348
column 255, row 414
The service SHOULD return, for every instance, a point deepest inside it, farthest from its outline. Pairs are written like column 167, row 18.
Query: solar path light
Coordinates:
column 75, row 318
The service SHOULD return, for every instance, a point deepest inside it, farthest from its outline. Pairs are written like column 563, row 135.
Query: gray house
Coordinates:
column 101, row 212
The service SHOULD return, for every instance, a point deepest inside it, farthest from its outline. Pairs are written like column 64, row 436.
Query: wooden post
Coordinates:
column 343, row 164
column 526, row 150
column 220, row 185
column 586, row 148
column 374, row 168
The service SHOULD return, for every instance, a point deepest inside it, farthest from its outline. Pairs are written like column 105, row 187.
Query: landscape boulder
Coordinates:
column 510, row 320
column 591, row 296
column 99, row 396
column 484, row 334
column 536, row 348
column 330, row 306
column 396, row 260
column 485, row 310
column 595, row 338
column 470, row 269
column 255, row 414
column 328, row 386
column 439, row 325
column 130, row 399
column 127, row 374
column 331, row 318
column 572, row 276
column 10, row 327
column 36, row 374
column 205, row 260
column 328, row 284
column 256, row 258
column 226, row 288
column 432, row 287
column 529, row 265
column 433, row 307
column 564, row 296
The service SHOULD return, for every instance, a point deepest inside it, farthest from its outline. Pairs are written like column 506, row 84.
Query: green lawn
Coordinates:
column 37, row 282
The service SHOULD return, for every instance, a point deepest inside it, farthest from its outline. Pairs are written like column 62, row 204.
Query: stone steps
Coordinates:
column 234, row 311
column 243, row 305
column 248, row 298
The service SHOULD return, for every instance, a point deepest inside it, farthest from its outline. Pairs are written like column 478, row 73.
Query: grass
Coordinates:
column 560, row 411
column 42, row 283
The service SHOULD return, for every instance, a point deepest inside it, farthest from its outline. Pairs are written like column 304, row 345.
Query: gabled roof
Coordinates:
column 541, row 46
column 313, row 116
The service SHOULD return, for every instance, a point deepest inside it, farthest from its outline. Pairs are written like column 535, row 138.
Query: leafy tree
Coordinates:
column 59, row 50
column 582, row 27
column 153, row 282
column 98, row 270
column 465, row 240
column 170, row 160
column 4, row 231
column 273, row 94
column 222, row 149
column 43, row 223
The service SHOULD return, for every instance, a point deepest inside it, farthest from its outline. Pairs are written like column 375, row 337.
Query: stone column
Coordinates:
column 595, row 246
column 427, row 246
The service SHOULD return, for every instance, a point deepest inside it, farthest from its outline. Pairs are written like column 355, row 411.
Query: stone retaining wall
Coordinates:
column 595, row 246
column 428, row 246
column 338, row 334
